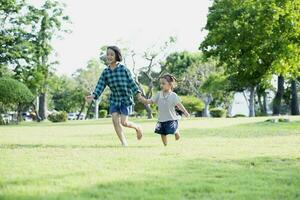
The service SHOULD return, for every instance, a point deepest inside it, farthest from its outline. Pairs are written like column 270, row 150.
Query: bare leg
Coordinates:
column 177, row 135
column 137, row 128
column 118, row 128
column 164, row 139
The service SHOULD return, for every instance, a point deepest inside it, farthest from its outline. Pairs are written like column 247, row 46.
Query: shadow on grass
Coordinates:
column 258, row 178
column 45, row 146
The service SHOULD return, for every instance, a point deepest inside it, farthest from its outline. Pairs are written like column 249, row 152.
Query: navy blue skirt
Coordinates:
column 166, row 128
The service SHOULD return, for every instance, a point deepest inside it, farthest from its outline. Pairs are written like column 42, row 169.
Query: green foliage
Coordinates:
column 178, row 63
column 58, row 117
column 14, row 92
column 182, row 65
column 103, row 113
column 230, row 24
column 218, row 112
column 254, row 39
column 67, row 94
column 218, row 85
column 15, row 44
column 192, row 104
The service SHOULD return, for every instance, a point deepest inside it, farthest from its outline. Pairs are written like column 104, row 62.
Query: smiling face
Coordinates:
column 111, row 57
column 165, row 85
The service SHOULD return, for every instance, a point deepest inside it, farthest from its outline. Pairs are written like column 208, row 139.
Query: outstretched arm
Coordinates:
column 144, row 100
column 99, row 88
column 182, row 108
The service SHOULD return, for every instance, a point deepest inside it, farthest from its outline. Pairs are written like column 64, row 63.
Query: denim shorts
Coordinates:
column 122, row 109
column 166, row 128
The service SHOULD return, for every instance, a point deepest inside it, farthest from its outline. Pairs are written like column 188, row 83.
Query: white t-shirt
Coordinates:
column 166, row 106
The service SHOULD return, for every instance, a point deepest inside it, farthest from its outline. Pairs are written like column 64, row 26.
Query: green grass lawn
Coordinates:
column 215, row 159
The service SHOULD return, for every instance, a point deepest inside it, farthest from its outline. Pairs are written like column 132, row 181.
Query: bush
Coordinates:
column 58, row 117
column 192, row 104
column 218, row 112
column 239, row 115
column 103, row 113
column 14, row 92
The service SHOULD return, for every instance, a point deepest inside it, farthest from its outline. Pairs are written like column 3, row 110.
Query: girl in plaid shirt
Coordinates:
column 119, row 79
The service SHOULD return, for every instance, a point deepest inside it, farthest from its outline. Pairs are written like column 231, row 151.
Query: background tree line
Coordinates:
column 249, row 44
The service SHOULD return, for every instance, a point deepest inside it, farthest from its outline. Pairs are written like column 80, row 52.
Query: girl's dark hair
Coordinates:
column 170, row 79
column 117, row 52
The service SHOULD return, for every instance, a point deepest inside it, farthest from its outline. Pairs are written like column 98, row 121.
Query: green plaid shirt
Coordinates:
column 121, row 84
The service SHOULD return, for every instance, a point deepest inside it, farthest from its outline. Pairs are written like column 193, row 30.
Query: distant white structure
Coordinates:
column 239, row 105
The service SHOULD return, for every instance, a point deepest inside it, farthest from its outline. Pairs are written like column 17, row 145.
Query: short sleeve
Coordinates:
column 155, row 98
column 176, row 99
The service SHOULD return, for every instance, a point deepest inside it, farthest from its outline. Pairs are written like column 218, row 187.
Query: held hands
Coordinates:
column 89, row 98
column 141, row 99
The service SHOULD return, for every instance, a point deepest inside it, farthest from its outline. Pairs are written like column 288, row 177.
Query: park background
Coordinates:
column 238, row 68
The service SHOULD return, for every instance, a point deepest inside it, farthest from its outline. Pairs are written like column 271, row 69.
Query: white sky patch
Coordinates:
column 138, row 23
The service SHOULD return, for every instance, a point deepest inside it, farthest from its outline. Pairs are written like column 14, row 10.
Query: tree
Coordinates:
column 155, row 67
column 148, row 75
column 66, row 93
column 218, row 86
column 286, row 36
column 240, row 36
column 14, row 94
column 15, row 43
column 294, row 99
column 86, row 80
column 192, row 71
column 46, row 23
column 136, row 79
column 262, row 91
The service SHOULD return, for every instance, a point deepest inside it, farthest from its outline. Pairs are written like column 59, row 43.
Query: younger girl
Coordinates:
column 166, row 101
column 118, row 78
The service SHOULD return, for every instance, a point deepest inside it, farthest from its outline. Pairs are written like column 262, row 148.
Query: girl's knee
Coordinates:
column 124, row 123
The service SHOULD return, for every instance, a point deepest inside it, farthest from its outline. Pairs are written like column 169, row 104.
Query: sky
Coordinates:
column 138, row 24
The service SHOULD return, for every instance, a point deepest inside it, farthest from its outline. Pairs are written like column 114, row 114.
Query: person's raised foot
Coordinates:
column 177, row 136
column 139, row 133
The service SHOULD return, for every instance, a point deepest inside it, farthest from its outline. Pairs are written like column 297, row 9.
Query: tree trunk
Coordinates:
column 206, row 110
column 265, row 103
column 88, row 110
column 43, row 106
column 279, row 95
column 207, row 101
column 149, row 111
column 260, row 103
column 19, row 113
column 38, row 118
column 229, row 110
column 294, row 100
column 252, row 102
column 81, row 109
